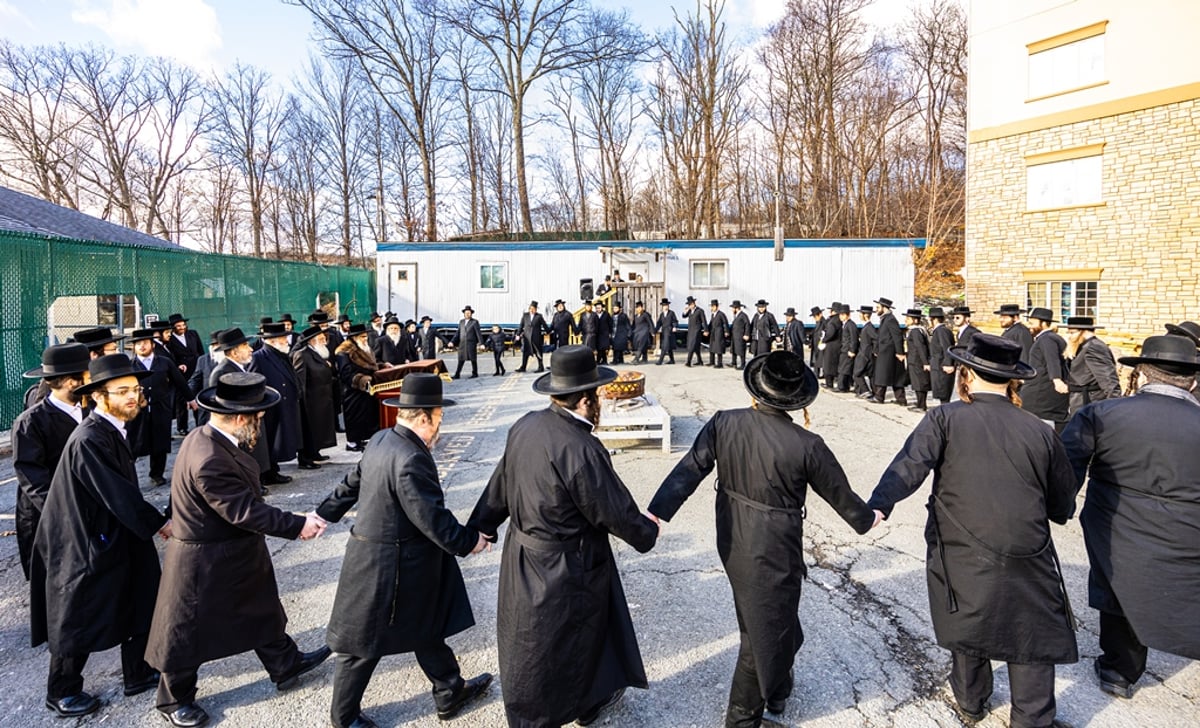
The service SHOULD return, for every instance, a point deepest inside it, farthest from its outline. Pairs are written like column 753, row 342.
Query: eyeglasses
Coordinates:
column 124, row 391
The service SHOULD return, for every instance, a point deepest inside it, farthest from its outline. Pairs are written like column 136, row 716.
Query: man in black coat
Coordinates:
column 391, row 348
column 314, row 384
column 864, row 361
column 237, row 356
column 94, row 559
column 218, row 595
column 739, row 335
column 760, row 520
column 356, row 367
column 941, row 366
column 718, row 327
column 563, row 324
column 889, row 355
column 589, row 325
column 1000, row 475
column 1014, row 330
column 622, row 330
column 201, row 374
column 185, row 347
column 39, row 435
column 532, row 331
column 763, row 329
column 150, row 433
column 696, row 324
column 603, row 332
column 793, row 333
column 916, row 358
column 847, row 351
column 428, row 338
column 99, row 341
column 964, row 330
column 817, row 314
column 666, row 326
column 282, row 422
column 333, row 339
column 467, row 339
column 423, row 599
column 556, row 485
column 1093, row 373
column 1046, row 394
column 1139, row 519
column 830, row 345
column 643, row 332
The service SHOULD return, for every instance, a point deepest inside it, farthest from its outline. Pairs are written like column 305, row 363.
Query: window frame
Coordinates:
column 480, row 265
column 692, row 263
column 1052, row 58
column 1054, row 290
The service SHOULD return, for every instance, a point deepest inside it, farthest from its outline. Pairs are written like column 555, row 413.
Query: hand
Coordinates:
column 821, row 347
column 483, row 544
column 165, row 532
column 948, row 370
column 193, row 406
column 656, row 520
column 879, row 518
column 900, row 357
column 926, row 367
column 1061, row 387
column 314, row 526
column 852, row 353
column 183, row 368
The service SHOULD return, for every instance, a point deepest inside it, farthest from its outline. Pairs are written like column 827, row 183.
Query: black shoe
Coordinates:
column 1111, row 682
column 263, row 490
column 182, row 433
column 275, row 478
column 354, row 447
column 915, row 408
column 142, row 686
column 158, row 480
column 473, row 376
column 454, row 376
column 320, row 458
column 776, row 707
column 309, row 466
column 519, row 369
column 74, row 706
column 308, row 661
column 541, row 369
column 362, row 721
column 471, row 689
column 971, row 717
column 593, row 713
column 187, row 716
column 340, row 429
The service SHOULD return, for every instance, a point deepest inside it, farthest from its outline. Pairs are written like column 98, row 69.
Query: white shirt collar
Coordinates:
column 114, row 421
column 147, row 361
column 74, row 410
column 181, row 338
column 579, row 417
column 229, row 437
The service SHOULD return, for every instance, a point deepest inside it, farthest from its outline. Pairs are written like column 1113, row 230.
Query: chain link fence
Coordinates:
column 53, row 287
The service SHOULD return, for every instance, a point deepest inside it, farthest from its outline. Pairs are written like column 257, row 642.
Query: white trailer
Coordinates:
column 499, row 279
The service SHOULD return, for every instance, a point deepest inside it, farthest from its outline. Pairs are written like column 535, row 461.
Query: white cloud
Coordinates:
column 186, row 30
column 10, row 15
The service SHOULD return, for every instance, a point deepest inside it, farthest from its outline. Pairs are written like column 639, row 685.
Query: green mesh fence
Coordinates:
column 53, row 287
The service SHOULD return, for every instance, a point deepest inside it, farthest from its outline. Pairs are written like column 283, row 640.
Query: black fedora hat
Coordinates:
column 532, row 304
column 1041, row 314
column 960, row 311
column 937, row 312
column 1009, row 309
column 559, row 302
column 866, row 309
column 815, row 311
column 143, row 335
column 1189, row 329
column 110, row 367
column 356, row 330
column 420, row 390
column 309, row 334
column 238, row 393
column 468, row 308
column 230, row 338
column 265, row 320
column 791, row 311
column 639, row 304
column 175, row 318
column 374, row 316
column 736, row 304
column 96, row 337
column 914, row 313
column 761, row 302
column 714, row 302
column 665, row 302
column 287, row 318
column 158, row 326
column 1086, row 323
column 845, row 309
column 885, row 302
column 318, row 317
column 781, row 380
column 273, row 330
column 1176, row 354
column 573, row 369
column 393, row 320
column 690, row 299
column 343, row 319
column 992, row 355
column 426, row 318
column 61, row 359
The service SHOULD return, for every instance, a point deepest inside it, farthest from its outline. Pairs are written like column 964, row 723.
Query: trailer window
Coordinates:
column 710, row 274
column 493, row 276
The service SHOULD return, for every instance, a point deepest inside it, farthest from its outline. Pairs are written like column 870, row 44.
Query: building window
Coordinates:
column 1064, row 298
column 493, row 276
column 710, row 274
column 117, row 312
column 1065, row 178
column 1067, row 62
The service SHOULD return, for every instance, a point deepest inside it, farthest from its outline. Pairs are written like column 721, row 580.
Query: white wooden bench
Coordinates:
column 640, row 418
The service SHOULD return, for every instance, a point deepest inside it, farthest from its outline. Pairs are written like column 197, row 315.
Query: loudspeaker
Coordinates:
column 585, row 289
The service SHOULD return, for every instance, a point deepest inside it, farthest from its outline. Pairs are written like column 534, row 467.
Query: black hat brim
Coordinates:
column 1168, row 364
column 226, row 346
column 305, row 339
column 804, row 396
column 543, row 384
column 1180, row 331
column 395, row 402
column 1020, row 370
column 95, row 384
column 40, row 372
column 207, row 399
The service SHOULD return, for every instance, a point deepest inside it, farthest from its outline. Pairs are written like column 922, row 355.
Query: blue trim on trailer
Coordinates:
column 657, row 244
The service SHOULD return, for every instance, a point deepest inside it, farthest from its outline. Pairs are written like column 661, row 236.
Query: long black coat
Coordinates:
column 941, row 383
column 589, row 329
column 999, row 476
column 39, row 435
column 918, row 358
column 150, row 432
column 665, row 327
column 1019, row 333
column 793, row 337
column 963, row 336
column 281, row 422
column 696, row 323
column 94, row 550
column 1038, row 394
column 864, row 362
column 1093, row 374
column 739, row 329
column 563, row 325
column 198, row 381
column 763, row 332
column 622, row 330
column 314, row 380
column 356, row 370
column 603, row 331
column 428, row 339
column 889, row 371
column 218, row 595
column 643, row 331
column 400, row 586
column 187, row 352
column 1142, row 512
column 718, row 327
column 390, row 353
column 467, row 338
column 561, row 606
column 849, row 346
column 831, row 337
column 532, row 332
column 765, row 463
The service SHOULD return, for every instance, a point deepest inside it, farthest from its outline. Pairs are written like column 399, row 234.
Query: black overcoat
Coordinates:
column 467, row 339
column 38, row 437
column 643, row 331
column 390, row 353
column 533, row 333
column 281, row 422
column 561, row 606
column 218, row 595
column 889, row 371
column 94, row 549
column 1141, row 518
column 186, row 353
column 665, row 327
column 765, row 463
column 739, row 329
column 849, row 346
column 864, row 362
column 918, row 358
column 1038, row 394
column 314, row 380
column 940, row 341
column 999, row 476
column 198, row 381
column 718, row 327
column 563, row 325
column 589, row 329
column 763, row 332
column 603, row 331
column 622, row 328
column 1093, row 374
column 150, row 432
column 1019, row 333
column 963, row 336
column 831, row 337
column 356, row 370
column 793, row 337
column 428, row 338
column 400, row 587
column 696, row 323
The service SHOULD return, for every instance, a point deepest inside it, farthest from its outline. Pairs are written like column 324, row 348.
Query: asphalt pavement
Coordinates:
column 869, row 658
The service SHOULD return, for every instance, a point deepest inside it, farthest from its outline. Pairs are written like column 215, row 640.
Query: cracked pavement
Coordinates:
column 869, row 658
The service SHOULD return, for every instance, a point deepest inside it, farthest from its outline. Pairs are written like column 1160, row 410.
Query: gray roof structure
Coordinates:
column 22, row 213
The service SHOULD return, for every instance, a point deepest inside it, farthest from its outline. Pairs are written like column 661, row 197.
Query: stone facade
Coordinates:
column 1144, row 236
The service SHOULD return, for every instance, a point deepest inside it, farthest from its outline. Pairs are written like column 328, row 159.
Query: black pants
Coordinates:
column 618, row 354
column 465, row 356
column 695, row 351
column 66, row 671
column 499, row 364
column 158, row 464
column 716, row 358
column 738, row 356
column 665, row 352
column 351, row 675
column 897, row 394
column 528, row 351
column 280, row 657
column 602, row 355
column 1032, row 688
column 862, row 385
column 639, row 356
column 845, row 383
column 746, row 701
column 1123, row 651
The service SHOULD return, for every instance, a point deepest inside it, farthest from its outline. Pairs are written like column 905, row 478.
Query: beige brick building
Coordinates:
column 1083, row 164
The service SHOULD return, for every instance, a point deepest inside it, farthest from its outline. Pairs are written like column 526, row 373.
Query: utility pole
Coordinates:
column 778, row 226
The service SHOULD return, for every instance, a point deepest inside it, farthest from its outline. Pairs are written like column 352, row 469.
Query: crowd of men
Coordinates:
column 567, row 645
